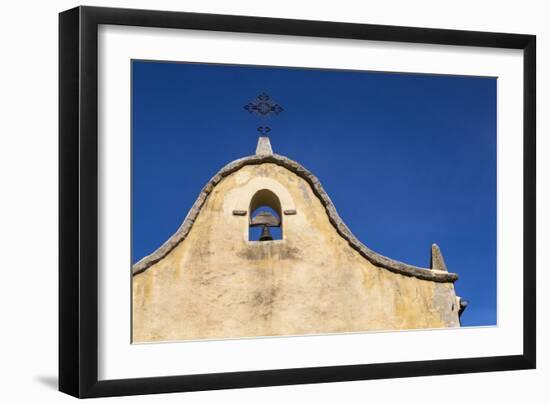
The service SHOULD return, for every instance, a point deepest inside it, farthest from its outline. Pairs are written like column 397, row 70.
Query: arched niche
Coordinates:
column 248, row 191
column 265, row 197
column 265, row 207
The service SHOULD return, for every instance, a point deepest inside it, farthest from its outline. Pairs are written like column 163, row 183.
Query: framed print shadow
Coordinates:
column 232, row 189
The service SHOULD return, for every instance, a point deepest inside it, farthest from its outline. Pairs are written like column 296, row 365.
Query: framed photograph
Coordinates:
column 250, row 201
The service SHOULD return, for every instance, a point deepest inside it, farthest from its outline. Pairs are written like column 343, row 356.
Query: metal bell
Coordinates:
column 266, row 235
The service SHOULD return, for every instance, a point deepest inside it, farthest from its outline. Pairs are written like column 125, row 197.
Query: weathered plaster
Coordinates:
column 209, row 281
column 310, row 187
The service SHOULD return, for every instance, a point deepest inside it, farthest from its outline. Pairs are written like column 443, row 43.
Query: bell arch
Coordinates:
column 255, row 185
column 265, row 220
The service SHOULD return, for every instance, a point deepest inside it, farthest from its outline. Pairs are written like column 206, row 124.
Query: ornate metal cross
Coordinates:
column 265, row 107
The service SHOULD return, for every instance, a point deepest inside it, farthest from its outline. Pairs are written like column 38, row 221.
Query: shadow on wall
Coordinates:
column 51, row 382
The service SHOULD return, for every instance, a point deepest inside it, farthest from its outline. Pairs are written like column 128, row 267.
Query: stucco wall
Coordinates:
column 217, row 284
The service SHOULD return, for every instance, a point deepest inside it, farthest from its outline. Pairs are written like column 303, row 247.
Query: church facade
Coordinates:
column 212, row 279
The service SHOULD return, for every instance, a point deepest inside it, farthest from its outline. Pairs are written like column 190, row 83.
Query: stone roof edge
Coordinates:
column 337, row 222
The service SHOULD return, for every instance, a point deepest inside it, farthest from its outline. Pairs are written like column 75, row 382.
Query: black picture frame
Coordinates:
column 78, row 201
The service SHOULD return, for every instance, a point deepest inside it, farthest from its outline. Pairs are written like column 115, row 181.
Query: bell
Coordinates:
column 266, row 235
column 265, row 219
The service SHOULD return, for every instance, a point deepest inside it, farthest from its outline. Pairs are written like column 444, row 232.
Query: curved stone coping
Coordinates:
column 342, row 229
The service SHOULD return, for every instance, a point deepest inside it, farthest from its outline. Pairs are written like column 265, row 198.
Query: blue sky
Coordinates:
column 408, row 160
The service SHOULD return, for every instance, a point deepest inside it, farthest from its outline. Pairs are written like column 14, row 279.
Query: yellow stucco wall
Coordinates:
column 217, row 284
